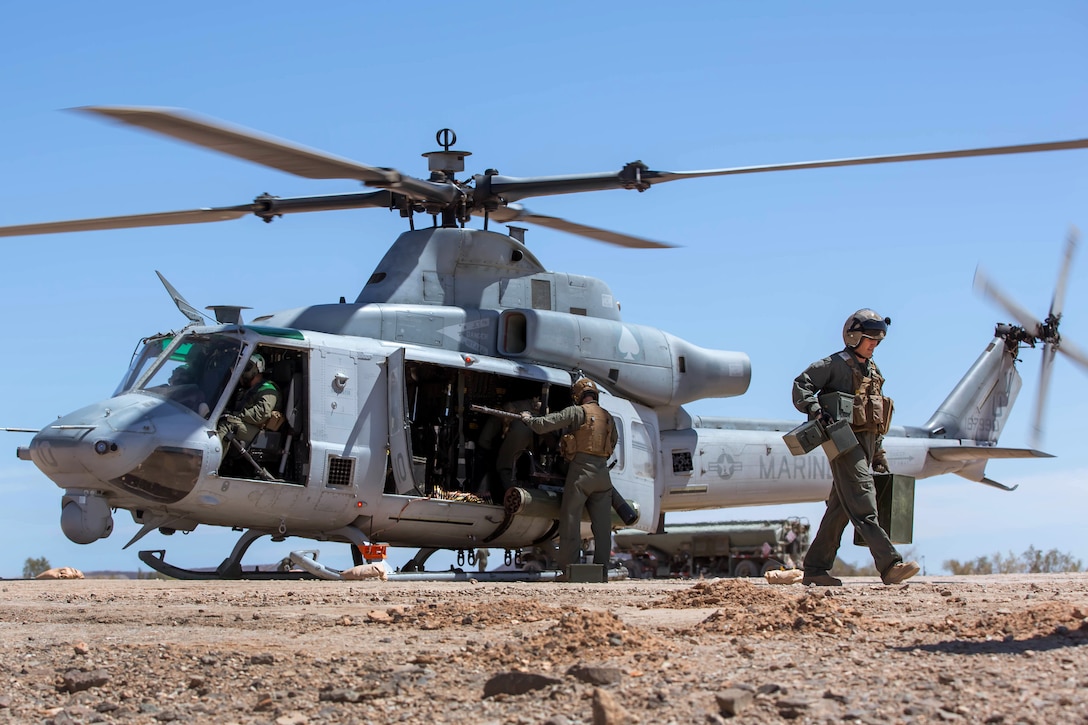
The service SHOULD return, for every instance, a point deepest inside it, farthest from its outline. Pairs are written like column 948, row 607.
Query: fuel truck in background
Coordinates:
column 722, row 549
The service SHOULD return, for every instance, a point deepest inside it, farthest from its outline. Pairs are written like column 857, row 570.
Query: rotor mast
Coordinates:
column 444, row 165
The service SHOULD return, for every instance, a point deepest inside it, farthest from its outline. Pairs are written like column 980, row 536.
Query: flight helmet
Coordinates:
column 582, row 386
column 254, row 366
column 864, row 323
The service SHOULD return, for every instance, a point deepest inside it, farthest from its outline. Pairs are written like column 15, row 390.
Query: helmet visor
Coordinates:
column 875, row 329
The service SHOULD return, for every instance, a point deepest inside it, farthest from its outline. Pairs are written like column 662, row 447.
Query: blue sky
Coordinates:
column 770, row 264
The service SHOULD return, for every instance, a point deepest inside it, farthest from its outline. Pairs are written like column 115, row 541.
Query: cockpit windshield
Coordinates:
column 195, row 371
column 151, row 348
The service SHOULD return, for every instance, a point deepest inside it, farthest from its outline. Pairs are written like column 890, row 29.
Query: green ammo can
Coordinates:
column 587, row 573
column 894, row 507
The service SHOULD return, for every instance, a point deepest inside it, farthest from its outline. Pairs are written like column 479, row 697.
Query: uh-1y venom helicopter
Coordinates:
column 380, row 438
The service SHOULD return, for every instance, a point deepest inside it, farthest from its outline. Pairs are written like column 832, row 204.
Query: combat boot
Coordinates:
column 821, row 580
column 900, row 572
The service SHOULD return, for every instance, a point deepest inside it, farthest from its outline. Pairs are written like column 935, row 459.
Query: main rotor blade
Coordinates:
column 1021, row 316
column 637, row 175
column 166, row 218
column 660, row 176
column 243, row 143
column 1074, row 353
column 1057, row 302
column 265, row 207
column 272, row 152
column 518, row 213
column 1041, row 396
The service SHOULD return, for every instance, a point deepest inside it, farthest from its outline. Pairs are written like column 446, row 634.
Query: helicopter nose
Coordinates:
column 96, row 443
column 131, row 444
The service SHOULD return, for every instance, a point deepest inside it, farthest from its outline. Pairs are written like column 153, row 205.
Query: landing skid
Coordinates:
column 456, row 575
column 320, row 571
column 154, row 558
column 312, row 570
column 232, row 569
column 303, row 565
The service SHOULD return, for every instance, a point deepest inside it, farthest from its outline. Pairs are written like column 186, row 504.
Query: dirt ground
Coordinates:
column 995, row 649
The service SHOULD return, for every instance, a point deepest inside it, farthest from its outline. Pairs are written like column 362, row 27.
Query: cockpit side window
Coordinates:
column 149, row 351
column 196, row 371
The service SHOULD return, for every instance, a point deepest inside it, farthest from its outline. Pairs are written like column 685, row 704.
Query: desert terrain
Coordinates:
column 994, row 649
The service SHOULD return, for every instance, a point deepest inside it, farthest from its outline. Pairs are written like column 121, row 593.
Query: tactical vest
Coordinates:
column 596, row 436
column 251, row 395
column 872, row 410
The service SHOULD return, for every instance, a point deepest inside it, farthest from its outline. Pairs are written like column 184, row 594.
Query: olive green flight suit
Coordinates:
column 588, row 485
column 853, row 495
column 250, row 412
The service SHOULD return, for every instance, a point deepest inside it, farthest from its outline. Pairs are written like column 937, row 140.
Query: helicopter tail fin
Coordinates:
column 975, row 413
column 978, row 407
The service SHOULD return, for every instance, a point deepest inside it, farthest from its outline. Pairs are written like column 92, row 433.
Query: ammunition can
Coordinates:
column 805, row 437
column 587, row 573
column 839, row 406
column 840, row 439
column 894, row 507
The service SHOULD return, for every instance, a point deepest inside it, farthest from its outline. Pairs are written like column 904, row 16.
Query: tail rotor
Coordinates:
column 1031, row 330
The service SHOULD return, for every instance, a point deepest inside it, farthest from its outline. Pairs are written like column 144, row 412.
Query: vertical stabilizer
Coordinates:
column 979, row 405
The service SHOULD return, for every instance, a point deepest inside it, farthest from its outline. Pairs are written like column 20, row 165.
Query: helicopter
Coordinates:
column 384, row 398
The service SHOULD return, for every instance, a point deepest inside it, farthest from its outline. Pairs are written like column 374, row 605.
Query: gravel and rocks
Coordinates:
column 993, row 649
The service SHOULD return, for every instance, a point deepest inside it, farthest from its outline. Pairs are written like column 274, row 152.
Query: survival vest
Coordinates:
column 872, row 410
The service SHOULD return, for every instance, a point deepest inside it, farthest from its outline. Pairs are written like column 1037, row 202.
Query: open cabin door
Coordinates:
column 635, row 471
column 400, row 442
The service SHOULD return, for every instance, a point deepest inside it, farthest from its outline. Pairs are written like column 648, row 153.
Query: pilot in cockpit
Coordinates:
column 183, row 381
column 251, row 405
